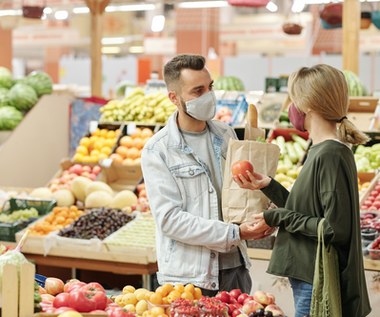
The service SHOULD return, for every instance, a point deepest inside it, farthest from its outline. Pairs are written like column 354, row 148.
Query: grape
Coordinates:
column 19, row 215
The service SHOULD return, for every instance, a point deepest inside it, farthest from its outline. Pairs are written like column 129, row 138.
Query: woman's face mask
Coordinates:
column 202, row 108
column 296, row 117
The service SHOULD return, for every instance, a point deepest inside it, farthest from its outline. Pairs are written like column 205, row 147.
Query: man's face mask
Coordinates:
column 202, row 108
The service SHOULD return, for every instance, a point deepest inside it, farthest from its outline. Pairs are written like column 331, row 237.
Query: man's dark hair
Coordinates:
column 172, row 69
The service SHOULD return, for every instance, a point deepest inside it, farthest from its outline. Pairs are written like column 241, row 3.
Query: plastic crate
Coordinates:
column 8, row 230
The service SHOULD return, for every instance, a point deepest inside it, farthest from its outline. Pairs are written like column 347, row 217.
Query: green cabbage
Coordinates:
column 11, row 257
column 41, row 82
column 6, row 79
column 10, row 117
column 22, row 97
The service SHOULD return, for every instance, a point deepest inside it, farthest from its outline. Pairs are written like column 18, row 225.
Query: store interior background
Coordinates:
column 247, row 42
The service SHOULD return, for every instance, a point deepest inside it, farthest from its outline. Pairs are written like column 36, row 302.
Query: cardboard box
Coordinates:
column 121, row 177
column 361, row 111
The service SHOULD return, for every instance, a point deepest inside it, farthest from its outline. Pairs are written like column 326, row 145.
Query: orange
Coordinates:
column 179, row 288
column 126, row 140
column 146, row 133
column 136, row 133
column 122, row 151
column 133, row 153
column 138, row 143
column 155, row 299
column 111, row 134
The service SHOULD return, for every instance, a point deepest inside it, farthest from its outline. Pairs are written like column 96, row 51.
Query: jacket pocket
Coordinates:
column 192, row 180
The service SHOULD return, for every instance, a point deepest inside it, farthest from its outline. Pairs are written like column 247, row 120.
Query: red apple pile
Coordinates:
column 242, row 304
column 374, row 249
column 142, row 199
column 372, row 202
column 67, row 176
column 224, row 114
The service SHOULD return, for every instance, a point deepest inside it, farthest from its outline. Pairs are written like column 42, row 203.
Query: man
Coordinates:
column 183, row 166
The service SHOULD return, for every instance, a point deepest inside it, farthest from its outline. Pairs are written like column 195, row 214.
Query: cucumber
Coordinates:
column 301, row 141
column 291, row 152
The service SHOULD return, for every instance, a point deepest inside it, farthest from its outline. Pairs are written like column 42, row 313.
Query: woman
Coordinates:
column 326, row 188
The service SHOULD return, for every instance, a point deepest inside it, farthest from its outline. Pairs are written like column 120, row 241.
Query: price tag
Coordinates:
column 131, row 128
column 93, row 126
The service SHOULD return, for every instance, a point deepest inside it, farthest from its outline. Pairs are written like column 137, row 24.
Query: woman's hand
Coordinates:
column 255, row 229
column 253, row 182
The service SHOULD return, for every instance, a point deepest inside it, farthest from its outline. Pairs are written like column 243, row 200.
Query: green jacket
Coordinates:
column 326, row 188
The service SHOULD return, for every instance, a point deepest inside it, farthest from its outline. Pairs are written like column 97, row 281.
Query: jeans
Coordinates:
column 302, row 297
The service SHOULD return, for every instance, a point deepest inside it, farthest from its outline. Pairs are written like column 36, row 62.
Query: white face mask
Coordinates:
column 202, row 108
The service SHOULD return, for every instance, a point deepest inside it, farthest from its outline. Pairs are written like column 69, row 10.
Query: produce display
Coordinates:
column 139, row 107
column 367, row 158
column 292, row 153
column 139, row 233
column 56, row 220
column 18, row 96
column 370, row 220
column 19, row 215
column 97, row 223
column 128, row 150
column 228, row 83
column 97, row 146
column 372, row 201
column 224, row 114
column 374, row 249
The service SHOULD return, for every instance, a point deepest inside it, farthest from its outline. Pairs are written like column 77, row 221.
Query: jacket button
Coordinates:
column 191, row 172
column 210, row 190
column 213, row 285
column 212, row 255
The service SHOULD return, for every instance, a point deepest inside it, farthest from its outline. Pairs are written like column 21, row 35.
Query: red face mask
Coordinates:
column 296, row 117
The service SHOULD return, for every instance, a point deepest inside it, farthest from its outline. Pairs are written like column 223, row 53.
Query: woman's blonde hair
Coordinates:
column 323, row 89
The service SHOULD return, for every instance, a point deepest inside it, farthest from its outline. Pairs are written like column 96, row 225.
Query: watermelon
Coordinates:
column 40, row 81
column 355, row 86
column 22, row 97
column 230, row 83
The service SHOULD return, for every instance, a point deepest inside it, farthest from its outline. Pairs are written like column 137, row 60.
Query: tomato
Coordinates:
column 81, row 301
column 93, row 286
column 61, row 300
column 70, row 313
column 241, row 167
column 63, row 309
column 100, row 299
column 54, row 285
column 73, row 285
column 119, row 312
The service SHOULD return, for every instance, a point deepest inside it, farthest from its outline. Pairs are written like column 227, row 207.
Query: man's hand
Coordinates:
column 255, row 229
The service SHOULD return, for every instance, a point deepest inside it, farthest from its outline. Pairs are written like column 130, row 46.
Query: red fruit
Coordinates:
column 241, row 167
column 235, row 293
column 61, row 300
column 241, row 298
column 236, row 313
column 249, row 298
column 224, row 297
column 54, row 285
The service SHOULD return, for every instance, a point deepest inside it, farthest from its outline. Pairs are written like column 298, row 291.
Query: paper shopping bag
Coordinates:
column 238, row 205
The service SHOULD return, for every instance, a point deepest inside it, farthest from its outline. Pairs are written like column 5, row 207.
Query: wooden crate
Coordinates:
column 17, row 291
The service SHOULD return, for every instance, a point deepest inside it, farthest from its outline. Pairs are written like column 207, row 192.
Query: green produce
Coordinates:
column 355, row 86
column 22, row 97
column 228, row 83
column 9, row 118
column 367, row 158
column 4, row 96
column 139, row 107
column 6, row 79
column 11, row 257
column 41, row 82
column 19, row 215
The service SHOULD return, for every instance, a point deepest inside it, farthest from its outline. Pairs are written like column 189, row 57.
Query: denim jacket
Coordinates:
column 184, row 204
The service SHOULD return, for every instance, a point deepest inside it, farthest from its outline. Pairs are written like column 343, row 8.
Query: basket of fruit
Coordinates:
column 374, row 249
column 17, row 213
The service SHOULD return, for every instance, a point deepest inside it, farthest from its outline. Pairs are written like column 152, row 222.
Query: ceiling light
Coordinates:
column 202, row 4
column 271, row 6
column 131, row 7
column 4, row 13
column 298, row 6
column 81, row 10
column 61, row 15
column 136, row 49
column 158, row 23
column 111, row 50
column 113, row 40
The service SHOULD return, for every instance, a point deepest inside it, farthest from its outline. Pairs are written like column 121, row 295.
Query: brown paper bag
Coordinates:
column 238, row 205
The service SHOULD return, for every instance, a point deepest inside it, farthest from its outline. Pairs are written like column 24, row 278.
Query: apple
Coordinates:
column 235, row 293
column 224, row 297
column 241, row 298
column 96, row 169
column 251, row 306
column 86, row 168
column 275, row 310
column 76, row 169
column 261, row 297
column 249, row 297
column 236, row 312
column 272, row 298
column 241, row 167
